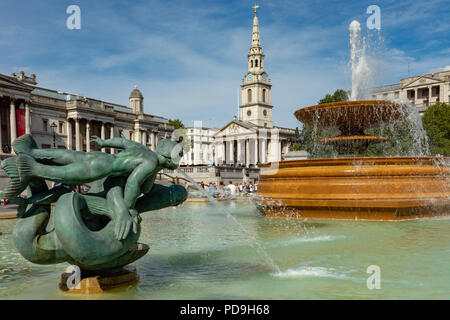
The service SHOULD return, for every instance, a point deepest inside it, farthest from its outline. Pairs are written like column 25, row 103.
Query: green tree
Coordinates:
column 177, row 123
column 337, row 96
column 436, row 122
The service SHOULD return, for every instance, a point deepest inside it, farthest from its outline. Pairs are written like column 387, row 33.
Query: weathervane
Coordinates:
column 255, row 7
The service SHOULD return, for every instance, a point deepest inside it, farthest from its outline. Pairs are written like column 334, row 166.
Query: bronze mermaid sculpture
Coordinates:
column 97, row 231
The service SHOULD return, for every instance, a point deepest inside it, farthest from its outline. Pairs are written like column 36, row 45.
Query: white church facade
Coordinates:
column 251, row 139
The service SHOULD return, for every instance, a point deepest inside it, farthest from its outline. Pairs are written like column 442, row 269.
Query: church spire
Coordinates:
column 256, row 45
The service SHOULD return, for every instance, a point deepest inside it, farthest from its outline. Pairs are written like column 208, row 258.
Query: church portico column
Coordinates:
column 256, row 151
column 247, row 153
column 239, row 151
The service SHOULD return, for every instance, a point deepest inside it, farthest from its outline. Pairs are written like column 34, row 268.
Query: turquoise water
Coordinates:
column 197, row 253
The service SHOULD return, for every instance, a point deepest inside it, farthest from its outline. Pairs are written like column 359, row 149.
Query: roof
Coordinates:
column 136, row 93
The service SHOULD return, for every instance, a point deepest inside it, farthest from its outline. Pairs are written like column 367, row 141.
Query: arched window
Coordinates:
column 251, row 63
column 256, row 63
column 264, row 95
column 249, row 95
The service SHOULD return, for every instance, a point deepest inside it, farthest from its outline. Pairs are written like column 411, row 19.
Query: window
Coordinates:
column 249, row 113
column 264, row 95
column 396, row 94
column 265, row 125
column 265, row 113
column 44, row 125
column 60, row 129
column 251, row 63
column 249, row 95
column 256, row 63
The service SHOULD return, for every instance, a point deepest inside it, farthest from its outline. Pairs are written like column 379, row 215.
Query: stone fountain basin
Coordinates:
column 351, row 117
column 372, row 188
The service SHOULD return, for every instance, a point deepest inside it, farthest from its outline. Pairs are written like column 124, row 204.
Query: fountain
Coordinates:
column 352, row 186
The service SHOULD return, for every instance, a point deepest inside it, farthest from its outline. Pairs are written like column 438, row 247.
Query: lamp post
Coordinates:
column 53, row 126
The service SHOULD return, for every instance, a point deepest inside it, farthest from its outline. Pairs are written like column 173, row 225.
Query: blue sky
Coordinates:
column 188, row 56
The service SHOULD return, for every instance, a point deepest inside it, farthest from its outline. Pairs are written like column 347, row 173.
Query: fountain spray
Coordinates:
column 254, row 243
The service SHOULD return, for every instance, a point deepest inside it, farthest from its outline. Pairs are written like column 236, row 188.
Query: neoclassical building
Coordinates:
column 252, row 138
column 422, row 91
column 65, row 120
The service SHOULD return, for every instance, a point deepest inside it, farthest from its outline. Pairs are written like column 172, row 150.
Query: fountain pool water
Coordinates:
column 196, row 253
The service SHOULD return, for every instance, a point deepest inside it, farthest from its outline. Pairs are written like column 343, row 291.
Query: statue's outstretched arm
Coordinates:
column 118, row 143
column 135, row 181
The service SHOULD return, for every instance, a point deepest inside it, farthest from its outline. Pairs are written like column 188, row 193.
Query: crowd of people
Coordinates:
column 222, row 190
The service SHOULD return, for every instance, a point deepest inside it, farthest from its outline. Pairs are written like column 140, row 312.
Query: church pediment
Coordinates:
column 235, row 128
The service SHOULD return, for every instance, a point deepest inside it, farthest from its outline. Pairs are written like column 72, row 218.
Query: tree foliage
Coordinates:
column 337, row 96
column 177, row 123
column 436, row 122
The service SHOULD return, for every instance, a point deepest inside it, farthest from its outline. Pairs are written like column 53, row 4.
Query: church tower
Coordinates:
column 255, row 88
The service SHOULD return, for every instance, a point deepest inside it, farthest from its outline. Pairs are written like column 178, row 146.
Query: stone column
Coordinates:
column 430, row 94
column 156, row 140
column 231, row 152
column 111, row 135
column 69, row 134
column 103, row 136
column 27, row 118
column 239, row 151
column 152, row 141
column 88, row 136
column 12, row 122
column 256, row 151
column 247, row 153
column 415, row 96
column 1, row 138
column 264, row 151
column 77, row 135
column 144, row 138
column 216, row 153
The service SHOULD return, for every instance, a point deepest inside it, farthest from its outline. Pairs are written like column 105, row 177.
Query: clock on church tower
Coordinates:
column 256, row 87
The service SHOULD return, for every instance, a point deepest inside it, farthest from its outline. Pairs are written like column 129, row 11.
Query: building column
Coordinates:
column 88, row 136
column 144, row 138
column 77, row 134
column 256, row 151
column 27, row 118
column 1, row 138
column 111, row 135
column 264, row 151
column 216, row 153
column 152, row 141
column 12, row 122
column 239, row 151
column 156, row 140
column 247, row 153
column 69, row 134
column 103, row 136
column 415, row 96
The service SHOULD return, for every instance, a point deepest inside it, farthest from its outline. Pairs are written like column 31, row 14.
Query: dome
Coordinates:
column 136, row 93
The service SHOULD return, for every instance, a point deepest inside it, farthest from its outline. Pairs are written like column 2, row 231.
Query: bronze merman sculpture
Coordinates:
column 97, row 231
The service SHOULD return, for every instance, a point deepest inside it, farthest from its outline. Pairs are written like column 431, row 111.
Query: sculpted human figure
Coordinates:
column 136, row 165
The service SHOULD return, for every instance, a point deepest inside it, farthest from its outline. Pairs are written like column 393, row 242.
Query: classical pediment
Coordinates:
column 236, row 128
column 422, row 81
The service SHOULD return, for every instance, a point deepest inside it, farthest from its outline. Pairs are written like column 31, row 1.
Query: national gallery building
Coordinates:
column 65, row 120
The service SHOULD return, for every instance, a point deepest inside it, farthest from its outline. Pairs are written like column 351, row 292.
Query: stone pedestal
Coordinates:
column 126, row 276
